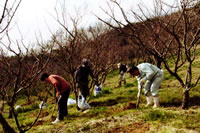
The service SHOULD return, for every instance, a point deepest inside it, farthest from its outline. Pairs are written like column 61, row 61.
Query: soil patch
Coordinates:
column 39, row 122
column 44, row 114
column 139, row 127
column 130, row 105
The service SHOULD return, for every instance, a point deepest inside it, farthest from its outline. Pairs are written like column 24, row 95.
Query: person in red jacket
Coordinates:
column 62, row 93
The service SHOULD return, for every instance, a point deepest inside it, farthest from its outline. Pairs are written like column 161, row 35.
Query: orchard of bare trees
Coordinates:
column 167, row 39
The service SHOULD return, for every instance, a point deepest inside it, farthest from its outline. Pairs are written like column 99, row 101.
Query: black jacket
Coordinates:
column 82, row 73
column 122, row 68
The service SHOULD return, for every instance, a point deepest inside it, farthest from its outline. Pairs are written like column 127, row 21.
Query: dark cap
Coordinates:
column 44, row 76
column 132, row 69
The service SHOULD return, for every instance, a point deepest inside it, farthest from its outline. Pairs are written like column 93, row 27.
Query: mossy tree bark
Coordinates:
column 6, row 127
column 186, row 97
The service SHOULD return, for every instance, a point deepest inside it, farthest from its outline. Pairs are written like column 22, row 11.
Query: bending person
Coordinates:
column 153, row 76
column 62, row 93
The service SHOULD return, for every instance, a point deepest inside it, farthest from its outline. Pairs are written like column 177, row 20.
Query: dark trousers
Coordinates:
column 62, row 105
column 83, row 87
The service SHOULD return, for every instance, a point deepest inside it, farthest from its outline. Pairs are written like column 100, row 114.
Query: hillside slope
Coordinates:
column 114, row 110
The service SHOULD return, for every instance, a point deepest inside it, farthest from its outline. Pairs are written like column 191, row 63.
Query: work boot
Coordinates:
column 56, row 121
column 156, row 102
column 149, row 101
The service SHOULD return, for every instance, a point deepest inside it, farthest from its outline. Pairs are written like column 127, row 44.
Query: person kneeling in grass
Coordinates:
column 62, row 93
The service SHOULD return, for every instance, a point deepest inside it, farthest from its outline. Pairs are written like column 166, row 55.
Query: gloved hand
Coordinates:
column 142, row 82
column 147, row 93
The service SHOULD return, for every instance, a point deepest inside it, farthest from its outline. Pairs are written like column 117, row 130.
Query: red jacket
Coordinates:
column 59, row 83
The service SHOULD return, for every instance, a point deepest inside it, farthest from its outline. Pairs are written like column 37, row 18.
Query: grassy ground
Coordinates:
column 114, row 111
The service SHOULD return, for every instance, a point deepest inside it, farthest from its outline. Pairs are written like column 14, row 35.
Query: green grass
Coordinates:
column 28, row 108
column 113, row 110
column 159, row 115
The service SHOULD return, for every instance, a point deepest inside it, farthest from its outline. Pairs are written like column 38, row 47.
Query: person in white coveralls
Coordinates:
column 149, row 76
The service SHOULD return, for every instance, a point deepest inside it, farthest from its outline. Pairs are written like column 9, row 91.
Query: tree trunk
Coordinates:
column 10, row 113
column 185, row 102
column 2, row 106
column 28, row 97
column 6, row 127
column 159, row 62
column 76, row 96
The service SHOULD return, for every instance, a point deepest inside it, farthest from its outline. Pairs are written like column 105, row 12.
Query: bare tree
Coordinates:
column 7, row 13
column 8, row 9
column 103, row 50
column 69, row 44
column 76, row 43
column 185, row 33
column 179, row 34
column 20, row 71
column 166, row 37
column 145, row 45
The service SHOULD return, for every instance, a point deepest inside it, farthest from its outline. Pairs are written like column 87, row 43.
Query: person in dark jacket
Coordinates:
column 122, row 73
column 81, row 76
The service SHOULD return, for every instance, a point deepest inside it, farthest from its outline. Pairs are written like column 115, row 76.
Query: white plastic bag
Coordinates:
column 17, row 107
column 82, row 104
column 71, row 101
column 97, row 90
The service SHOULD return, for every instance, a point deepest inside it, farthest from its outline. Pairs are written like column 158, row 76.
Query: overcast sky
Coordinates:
column 34, row 18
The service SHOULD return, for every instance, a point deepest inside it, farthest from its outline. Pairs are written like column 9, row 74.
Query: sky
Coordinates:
column 35, row 19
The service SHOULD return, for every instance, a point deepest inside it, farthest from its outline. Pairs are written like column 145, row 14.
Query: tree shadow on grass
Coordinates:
column 171, row 104
column 193, row 101
column 108, row 102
